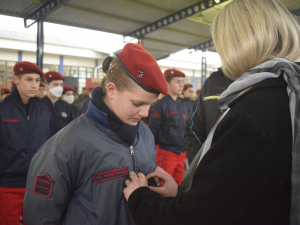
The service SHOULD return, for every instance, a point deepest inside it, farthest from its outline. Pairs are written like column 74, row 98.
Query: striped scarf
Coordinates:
column 270, row 69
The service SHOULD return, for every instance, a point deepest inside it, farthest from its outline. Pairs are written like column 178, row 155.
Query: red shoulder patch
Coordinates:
column 10, row 120
column 111, row 174
column 155, row 114
column 43, row 185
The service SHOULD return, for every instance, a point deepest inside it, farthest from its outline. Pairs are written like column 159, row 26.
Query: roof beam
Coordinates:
column 43, row 11
column 173, row 18
column 203, row 46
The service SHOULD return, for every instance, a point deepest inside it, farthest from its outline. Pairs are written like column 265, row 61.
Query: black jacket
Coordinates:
column 245, row 177
column 84, row 166
column 167, row 122
column 205, row 113
column 60, row 111
column 21, row 135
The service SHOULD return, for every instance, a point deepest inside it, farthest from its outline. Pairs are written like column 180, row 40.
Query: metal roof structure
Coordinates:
column 167, row 26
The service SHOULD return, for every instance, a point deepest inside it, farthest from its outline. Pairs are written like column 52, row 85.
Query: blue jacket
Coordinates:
column 167, row 123
column 21, row 135
column 61, row 113
column 78, row 176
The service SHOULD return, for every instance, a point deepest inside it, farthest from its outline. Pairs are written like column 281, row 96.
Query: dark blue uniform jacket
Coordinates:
column 167, row 123
column 21, row 135
column 60, row 111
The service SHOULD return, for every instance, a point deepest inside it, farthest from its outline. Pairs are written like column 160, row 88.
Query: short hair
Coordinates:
column 249, row 32
column 116, row 74
column 169, row 78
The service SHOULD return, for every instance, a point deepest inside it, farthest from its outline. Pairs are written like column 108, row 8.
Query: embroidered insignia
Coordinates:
column 141, row 74
column 155, row 114
column 184, row 116
column 108, row 175
column 10, row 120
column 172, row 113
column 50, row 75
column 43, row 185
column 172, row 72
column 64, row 114
column 21, row 68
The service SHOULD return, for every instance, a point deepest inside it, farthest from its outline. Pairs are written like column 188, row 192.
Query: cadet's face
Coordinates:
column 188, row 93
column 176, row 85
column 131, row 106
column 40, row 92
column 68, row 93
column 54, row 83
column 27, row 84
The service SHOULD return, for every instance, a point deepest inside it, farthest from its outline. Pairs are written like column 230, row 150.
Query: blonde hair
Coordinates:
column 249, row 32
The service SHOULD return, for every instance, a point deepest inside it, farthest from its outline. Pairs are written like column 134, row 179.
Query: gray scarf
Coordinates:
column 270, row 69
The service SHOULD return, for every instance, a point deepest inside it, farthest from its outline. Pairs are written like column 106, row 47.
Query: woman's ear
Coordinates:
column 111, row 90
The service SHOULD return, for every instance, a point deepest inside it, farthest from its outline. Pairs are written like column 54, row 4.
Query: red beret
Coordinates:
column 13, row 83
column 173, row 73
column 186, row 86
column 68, row 88
column 42, row 84
column 197, row 91
column 142, row 67
column 53, row 75
column 27, row 67
column 91, row 88
column 5, row 91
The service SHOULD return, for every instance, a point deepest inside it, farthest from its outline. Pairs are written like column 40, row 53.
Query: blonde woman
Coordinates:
column 246, row 171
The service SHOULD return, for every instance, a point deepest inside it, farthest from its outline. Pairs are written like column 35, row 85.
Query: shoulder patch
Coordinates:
column 10, row 120
column 43, row 185
column 111, row 174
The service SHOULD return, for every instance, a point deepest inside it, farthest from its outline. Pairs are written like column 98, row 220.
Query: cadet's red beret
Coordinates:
column 27, row 67
column 5, row 91
column 142, row 67
column 68, row 88
column 173, row 73
column 197, row 91
column 53, row 75
column 13, row 83
column 186, row 86
column 91, row 88
column 42, row 84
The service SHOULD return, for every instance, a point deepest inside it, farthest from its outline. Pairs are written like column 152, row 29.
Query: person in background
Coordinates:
column 76, row 102
column 84, row 94
column 68, row 96
column 4, row 93
column 60, row 110
column 167, row 122
column 25, row 125
column 78, row 176
column 41, row 91
column 205, row 113
column 247, row 171
column 85, row 103
column 187, row 97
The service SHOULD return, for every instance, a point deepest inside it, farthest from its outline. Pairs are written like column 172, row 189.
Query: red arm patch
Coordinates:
column 108, row 175
column 10, row 120
column 43, row 185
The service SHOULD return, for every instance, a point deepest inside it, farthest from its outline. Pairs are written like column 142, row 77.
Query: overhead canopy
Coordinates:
column 127, row 17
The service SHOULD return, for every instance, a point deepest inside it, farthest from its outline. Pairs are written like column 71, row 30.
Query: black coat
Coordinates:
column 245, row 177
column 205, row 113
column 21, row 135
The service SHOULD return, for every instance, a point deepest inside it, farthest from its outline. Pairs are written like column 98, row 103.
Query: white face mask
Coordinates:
column 56, row 91
column 69, row 99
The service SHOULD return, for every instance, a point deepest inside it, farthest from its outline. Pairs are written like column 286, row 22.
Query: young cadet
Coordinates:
column 167, row 125
column 24, row 128
column 68, row 96
column 78, row 176
column 40, row 93
column 60, row 110
column 4, row 93
column 187, row 97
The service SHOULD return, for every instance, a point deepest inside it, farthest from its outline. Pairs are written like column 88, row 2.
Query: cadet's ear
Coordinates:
column 111, row 90
column 16, row 79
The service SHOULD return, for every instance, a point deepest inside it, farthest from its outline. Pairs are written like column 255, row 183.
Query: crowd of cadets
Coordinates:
column 29, row 118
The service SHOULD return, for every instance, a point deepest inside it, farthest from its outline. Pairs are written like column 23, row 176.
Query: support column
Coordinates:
column 141, row 42
column 40, row 43
column 96, row 62
column 61, row 65
column 20, row 53
column 203, row 68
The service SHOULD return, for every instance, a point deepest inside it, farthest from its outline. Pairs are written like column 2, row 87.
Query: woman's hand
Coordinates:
column 167, row 186
column 134, row 183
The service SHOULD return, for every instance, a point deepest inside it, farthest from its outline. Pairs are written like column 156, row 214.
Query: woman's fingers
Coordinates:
column 127, row 182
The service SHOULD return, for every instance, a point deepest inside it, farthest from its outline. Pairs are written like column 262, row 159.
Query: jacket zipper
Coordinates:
column 132, row 155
